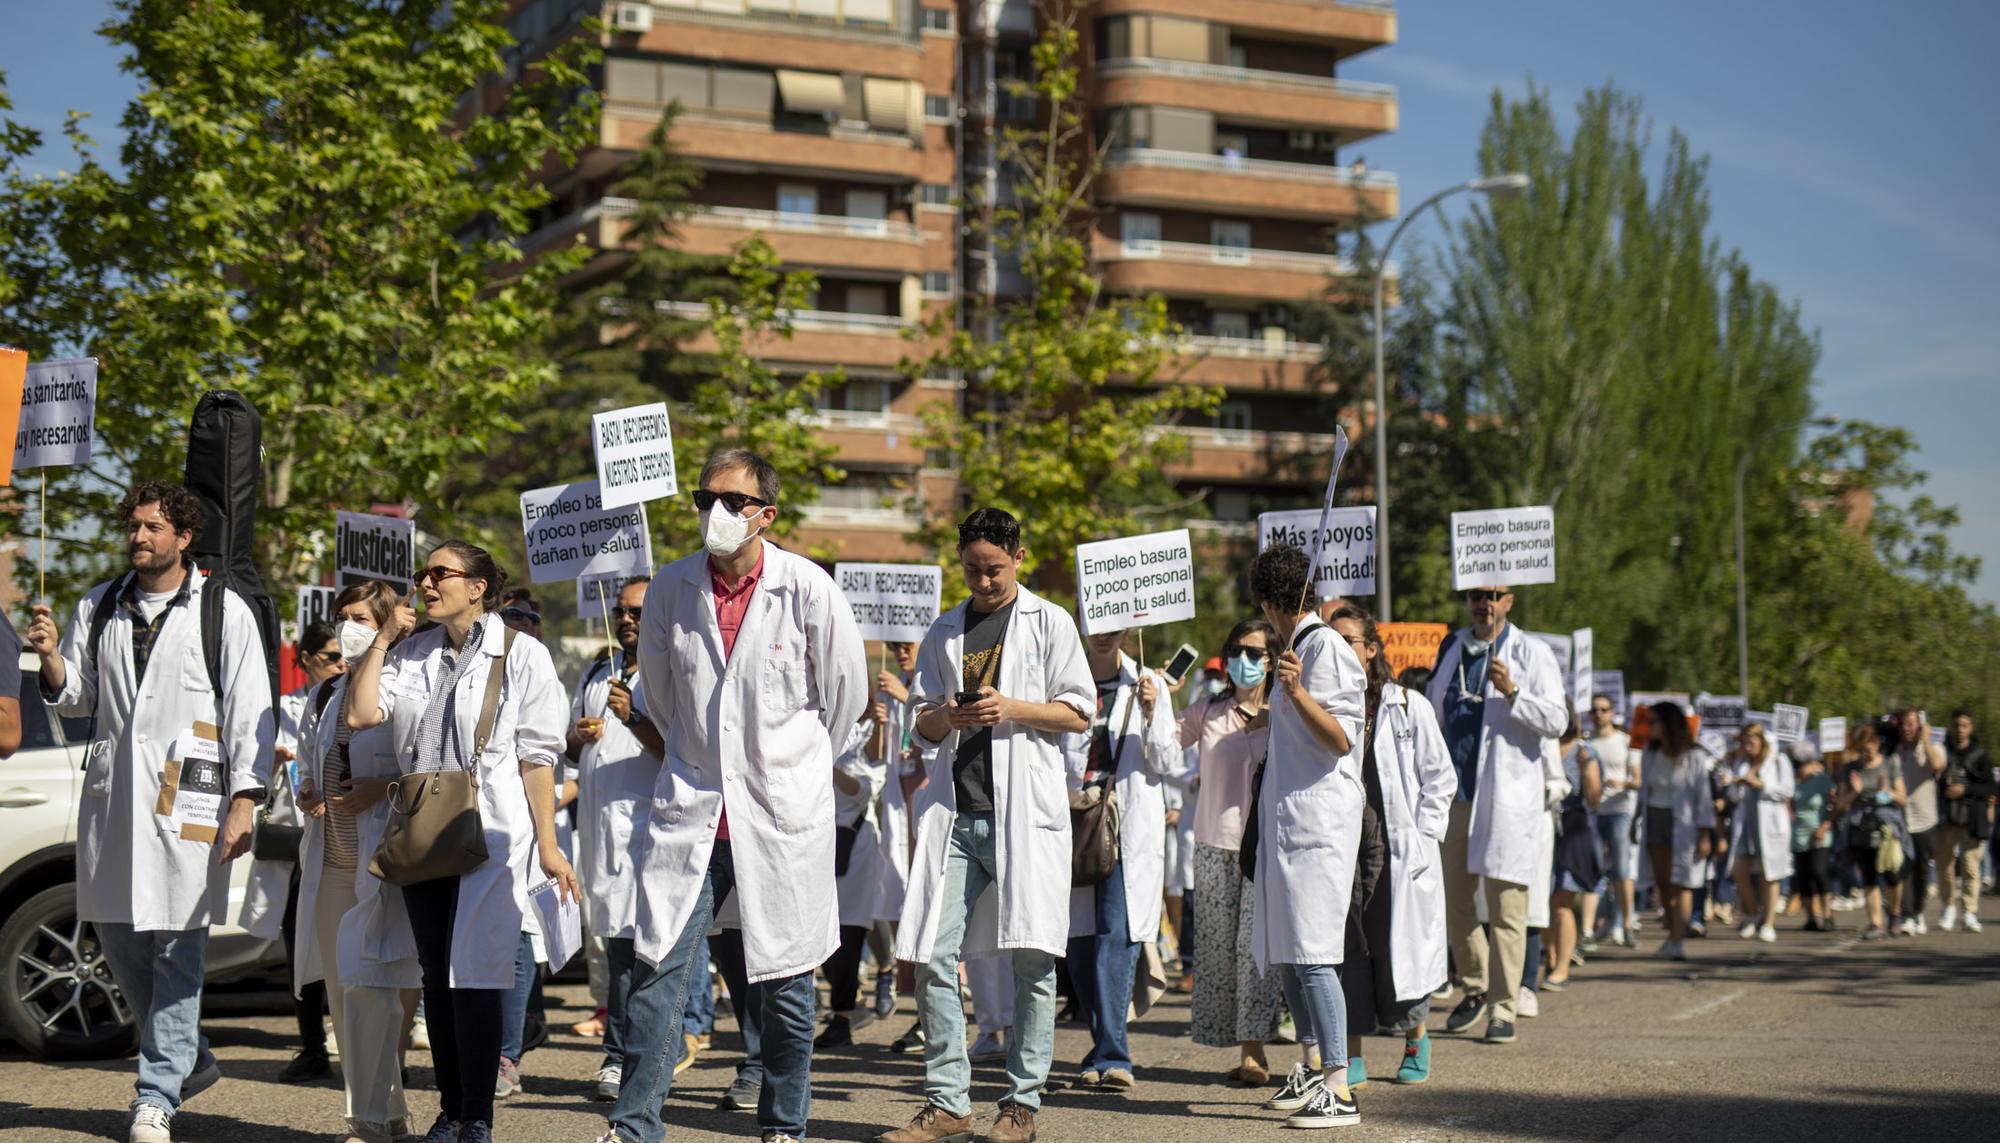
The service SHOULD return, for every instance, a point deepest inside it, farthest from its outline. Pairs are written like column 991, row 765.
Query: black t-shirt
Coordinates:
column 972, row 770
column 1102, row 749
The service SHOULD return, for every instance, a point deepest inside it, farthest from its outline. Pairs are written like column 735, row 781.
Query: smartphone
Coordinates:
column 967, row 698
column 1182, row 662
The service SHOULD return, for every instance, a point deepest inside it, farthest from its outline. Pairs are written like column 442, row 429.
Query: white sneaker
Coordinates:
column 1767, row 934
column 1948, row 920
column 149, row 1124
column 989, row 1046
column 1921, row 927
column 1747, row 930
column 420, row 1035
column 610, row 1078
column 1970, row 923
column 1525, row 1004
column 1909, row 927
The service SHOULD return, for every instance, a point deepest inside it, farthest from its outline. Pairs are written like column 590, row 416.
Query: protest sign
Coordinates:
column 635, row 455
column 571, row 534
column 1138, row 581
column 596, row 594
column 1722, row 712
column 893, row 603
column 1411, row 644
column 1790, row 722
column 13, row 373
column 58, row 411
column 1611, row 684
column 374, row 547
column 1580, row 641
column 1343, row 551
column 1937, row 736
column 1832, row 734
column 1503, row 547
column 1561, row 646
column 315, row 605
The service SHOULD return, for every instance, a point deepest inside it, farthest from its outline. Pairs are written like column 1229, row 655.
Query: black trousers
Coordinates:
column 843, row 969
column 464, row 1022
column 1917, row 874
column 310, row 1003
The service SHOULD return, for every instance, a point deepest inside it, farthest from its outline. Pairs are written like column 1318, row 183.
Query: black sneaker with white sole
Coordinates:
column 1467, row 1013
column 1499, row 1031
column 1298, row 1091
column 1328, row 1108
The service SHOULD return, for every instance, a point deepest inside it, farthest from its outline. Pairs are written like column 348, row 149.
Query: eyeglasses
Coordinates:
column 1233, row 652
column 622, row 612
column 437, row 575
column 327, row 657
column 519, row 615
column 734, row 501
column 1480, row 596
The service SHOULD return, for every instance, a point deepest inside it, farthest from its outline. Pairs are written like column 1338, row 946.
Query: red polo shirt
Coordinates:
column 730, row 607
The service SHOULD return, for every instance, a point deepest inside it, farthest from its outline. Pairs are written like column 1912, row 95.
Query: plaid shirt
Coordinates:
column 143, row 632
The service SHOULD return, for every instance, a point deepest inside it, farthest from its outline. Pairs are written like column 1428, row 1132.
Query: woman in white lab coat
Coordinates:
column 430, row 690
column 1760, row 832
column 1680, row 817
column 1395, row 923
column 354, row 935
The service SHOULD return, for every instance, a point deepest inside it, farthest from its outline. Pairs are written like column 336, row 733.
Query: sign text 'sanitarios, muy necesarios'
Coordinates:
column 58, row 414
column 1503, row 547
column 1138, row 581
column 893, row 603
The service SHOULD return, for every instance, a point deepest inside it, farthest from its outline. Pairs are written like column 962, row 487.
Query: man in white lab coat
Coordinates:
column 1000, row 679
column 152, row 882
column 1501, row 702
column 752, row 669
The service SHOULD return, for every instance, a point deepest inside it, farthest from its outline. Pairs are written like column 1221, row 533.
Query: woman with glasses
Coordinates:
column 1760, row 832
column 429, row 690
column 1680, row 818
column 355, row 936
column 1233, row 1003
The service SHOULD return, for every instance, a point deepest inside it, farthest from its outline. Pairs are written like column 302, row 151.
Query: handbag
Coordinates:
column 273, row 841
column 1888, row 849
column 435, row 829
column 1093, row 830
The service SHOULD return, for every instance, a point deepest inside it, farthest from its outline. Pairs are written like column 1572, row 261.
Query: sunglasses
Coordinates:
column 1601, row 710
column 734, row 501
column 327, row 657
column 622, row 612
column 437, row 575
column 520, row 616
column 1232, row 652
column 1479, row 596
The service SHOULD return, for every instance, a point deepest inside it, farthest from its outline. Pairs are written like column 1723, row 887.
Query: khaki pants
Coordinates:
column 1958, row 854
column 367, row 1021
column 1489, row 963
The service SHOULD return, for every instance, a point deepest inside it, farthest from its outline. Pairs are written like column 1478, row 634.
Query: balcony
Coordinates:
column 749, row 145
column 814, row 240
column 1228, row 273
column 873, row 438
column 1220, row 184
column 1250, row 96
column 1349, row 26
column 1248, row 364
column 756, row 34
column 1252, row 455
column 821, row 339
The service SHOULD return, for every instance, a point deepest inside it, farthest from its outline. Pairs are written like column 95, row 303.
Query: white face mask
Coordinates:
column 354, row 639
column 723, row 532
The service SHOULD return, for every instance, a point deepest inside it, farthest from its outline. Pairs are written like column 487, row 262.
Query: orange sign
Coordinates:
column 13, row 373
column 1411, row 644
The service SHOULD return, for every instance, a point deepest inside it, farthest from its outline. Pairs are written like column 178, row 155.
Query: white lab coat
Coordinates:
column 615, row 777
column 1148, row 754
column 374, row 948
column 1028, row 907
column 1418, row 784
column 860, row 888
column 893, row 814
column 1555, row 787
column 1774, row 813
column 270, row 883
column 757, row 735
column 1694, row 811
column 529, row 728
column 129, row 868
column 1309, row 811
column 1508, row 798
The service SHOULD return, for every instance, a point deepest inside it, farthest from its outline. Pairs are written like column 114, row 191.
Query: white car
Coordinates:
column 57, row 998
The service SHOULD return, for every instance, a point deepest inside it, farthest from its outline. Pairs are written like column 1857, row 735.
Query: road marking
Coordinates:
column 1706, row 1007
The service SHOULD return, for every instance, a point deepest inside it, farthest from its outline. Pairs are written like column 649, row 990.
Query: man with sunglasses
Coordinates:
column 1502, row 704
column 753, row 670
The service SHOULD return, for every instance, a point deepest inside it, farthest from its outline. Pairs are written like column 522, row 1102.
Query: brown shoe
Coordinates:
column 933, row 1125
column 1016, row 1124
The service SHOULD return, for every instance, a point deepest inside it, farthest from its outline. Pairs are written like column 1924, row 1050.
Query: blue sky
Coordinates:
column 1855, row 148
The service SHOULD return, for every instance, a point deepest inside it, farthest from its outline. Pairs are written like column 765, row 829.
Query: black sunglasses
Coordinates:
column 327, row 657
column 623, row 612
column 520, row 616
column 1234, row 650
column 734, row 501
column 1476, row 595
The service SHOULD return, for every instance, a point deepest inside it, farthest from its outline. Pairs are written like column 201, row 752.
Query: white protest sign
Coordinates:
column 1721, row 712
column 571, row 534
column 1503, row 547
column 315, row 604
column 1937, row 736
column 635, row 455
column 1580, row 641
column 1611, row 684
column 893, row 603
column 1560, row 646
column 58, row 411
column 1343, row 551
column 1790, row 722
column 596, row 593
column 1832, row 734
column 1138, row 581
column 374, row 547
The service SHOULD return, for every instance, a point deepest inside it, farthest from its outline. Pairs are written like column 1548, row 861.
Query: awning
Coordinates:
column 888, row 103
column 810, row 92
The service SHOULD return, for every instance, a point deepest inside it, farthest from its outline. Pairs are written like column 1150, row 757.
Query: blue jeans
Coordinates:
column 1313, row 993
column 969, row 868
column 514, row 1001
column 699, row 1017
column 1614, row 846
column 621, row 972
column 160, row 974
column 656, row 1015
column 1101, row 967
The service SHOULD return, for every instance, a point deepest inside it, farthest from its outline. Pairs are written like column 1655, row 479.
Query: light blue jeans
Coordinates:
column 969, row 868
column 1312, row 992
column 160, row 973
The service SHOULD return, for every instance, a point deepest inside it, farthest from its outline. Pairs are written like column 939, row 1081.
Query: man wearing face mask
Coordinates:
column 753, row 671
column 1502, row 705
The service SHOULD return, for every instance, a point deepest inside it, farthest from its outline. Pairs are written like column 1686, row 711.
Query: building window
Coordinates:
column 1139, row 234
column 797, row 201
column 1231, row 241
column 939, row 20
column 856, row 398
column 1233, row 415
column 937, row 107
column 937, row 283
column 935, row 194
column 1229, row 323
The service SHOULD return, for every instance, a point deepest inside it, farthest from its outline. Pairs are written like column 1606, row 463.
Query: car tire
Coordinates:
column 57, row 998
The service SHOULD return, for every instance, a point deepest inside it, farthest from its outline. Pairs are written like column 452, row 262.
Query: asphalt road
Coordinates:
column 1815, row 1038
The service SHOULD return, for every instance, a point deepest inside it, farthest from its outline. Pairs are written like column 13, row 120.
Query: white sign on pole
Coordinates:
column 1832, row 734
column 596, row 593
column 635, row 454
column 1343, row 551
column 1138, row 581
column 374, row 547
column 315, row 604
column 1611, row 684
column 893, row 603
column 58, row 414
column 1790, row 721
column 1562, row 648
column 1580, row 641
column 571, row 534
column 1503, row 547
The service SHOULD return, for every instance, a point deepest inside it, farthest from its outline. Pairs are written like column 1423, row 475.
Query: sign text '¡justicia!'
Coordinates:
column 387, row 555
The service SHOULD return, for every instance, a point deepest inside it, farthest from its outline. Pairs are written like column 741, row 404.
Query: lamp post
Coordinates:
column 1742, row 580
column 1508, row 185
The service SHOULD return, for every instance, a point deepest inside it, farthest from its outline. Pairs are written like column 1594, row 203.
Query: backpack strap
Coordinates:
column 489, row 709
column 213, row 600
column 100, row 618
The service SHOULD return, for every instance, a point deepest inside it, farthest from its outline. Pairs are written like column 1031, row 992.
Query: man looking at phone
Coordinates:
column 1000, row 679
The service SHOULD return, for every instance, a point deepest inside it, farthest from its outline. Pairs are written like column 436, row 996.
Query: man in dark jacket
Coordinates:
column 1965, row 822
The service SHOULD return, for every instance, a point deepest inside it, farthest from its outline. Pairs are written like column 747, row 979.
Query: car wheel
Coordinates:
column 57, row 998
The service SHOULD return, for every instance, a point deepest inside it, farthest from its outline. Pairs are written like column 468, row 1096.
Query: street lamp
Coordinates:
column 1742, row 589
column 1510, row 185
